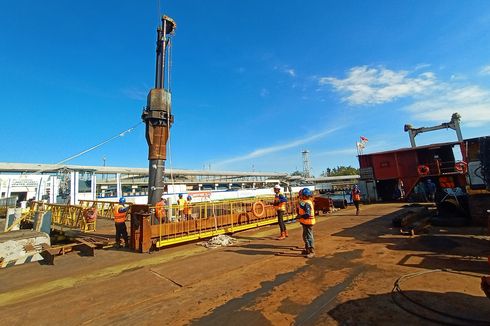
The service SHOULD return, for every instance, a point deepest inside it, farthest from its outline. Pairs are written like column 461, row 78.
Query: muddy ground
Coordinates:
column 262, row 281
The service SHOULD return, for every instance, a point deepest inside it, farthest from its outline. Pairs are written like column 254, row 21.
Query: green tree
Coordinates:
column 340, row 170
column 297, row 173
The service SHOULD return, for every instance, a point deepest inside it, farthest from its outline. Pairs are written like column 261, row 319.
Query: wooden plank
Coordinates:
column 87, row 243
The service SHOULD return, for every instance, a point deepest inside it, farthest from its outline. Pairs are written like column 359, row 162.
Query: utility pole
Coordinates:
column 104, row 176
column 157, row 114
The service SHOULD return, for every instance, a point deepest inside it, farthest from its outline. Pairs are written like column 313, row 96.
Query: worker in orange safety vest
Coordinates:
column 188, row 208
column 120, row 211
column 160, row 213
column 356, row 197
column 280, row 205
column 306, row 216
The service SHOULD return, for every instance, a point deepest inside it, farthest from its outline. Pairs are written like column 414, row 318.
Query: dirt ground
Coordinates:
column 262, row 281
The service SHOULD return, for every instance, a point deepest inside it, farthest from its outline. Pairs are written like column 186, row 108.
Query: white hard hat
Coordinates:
column 277, row 187
column 163, row 197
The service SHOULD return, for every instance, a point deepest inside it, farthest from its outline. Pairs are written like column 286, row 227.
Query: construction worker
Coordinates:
column 181, row 205
column 356, row 197
column 120, row 211
column 280, row 205
column 431, row 190
column 160, row 213
column 188, row 208
column 306, row 216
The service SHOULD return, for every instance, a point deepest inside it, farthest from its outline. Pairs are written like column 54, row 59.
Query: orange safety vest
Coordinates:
column 160, row 209
column 280, row 206
column 187, row 207
column 301, row 211
column 446, row 182
column 356, row 196
column 119, row 217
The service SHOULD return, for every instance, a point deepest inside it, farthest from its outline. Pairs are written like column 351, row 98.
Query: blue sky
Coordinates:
column 254, row 82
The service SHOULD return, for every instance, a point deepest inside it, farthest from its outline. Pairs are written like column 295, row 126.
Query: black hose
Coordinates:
column 397, row 289
column 417, row 314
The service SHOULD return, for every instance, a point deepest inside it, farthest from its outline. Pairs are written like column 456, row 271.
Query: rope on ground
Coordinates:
column 218, row 241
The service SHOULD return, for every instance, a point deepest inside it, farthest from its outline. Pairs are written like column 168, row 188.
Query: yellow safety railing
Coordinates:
column 207, row 219
column 63, row 215
column 181, row 224
column 105, row 209
column 6, row 203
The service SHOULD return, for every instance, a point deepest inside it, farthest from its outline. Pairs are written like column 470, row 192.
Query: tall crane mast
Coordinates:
column 157, row 113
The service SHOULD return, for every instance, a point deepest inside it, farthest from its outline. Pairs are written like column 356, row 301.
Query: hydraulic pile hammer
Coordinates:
column 157, row 114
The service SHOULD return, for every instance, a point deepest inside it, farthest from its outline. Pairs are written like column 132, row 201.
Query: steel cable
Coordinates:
column 121, row 134
column 397, row 289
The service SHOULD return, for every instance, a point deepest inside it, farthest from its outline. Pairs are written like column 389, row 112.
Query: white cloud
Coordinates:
column 290, row 72
column 373, row 145
column 285, row 69
column 268, row 150
column 134, row 93
column 336, row 152
column 485, row 70
column 432, row 99
column 365, row 85
column 456, row 77
column 422, row 66
column 471, row 102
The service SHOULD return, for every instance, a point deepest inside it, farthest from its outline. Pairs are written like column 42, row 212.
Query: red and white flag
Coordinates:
column 363, row 139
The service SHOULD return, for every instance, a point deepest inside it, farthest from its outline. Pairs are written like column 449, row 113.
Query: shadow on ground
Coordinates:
column 457, row 248
column 452, row 309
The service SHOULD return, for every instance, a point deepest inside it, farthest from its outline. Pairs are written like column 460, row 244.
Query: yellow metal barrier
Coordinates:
column 70, row 216
column 181, row 224
column 207, row 219
column 105, row 209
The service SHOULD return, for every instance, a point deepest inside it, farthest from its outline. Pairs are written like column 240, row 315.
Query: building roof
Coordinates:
column 50, row 168
column 404, row 149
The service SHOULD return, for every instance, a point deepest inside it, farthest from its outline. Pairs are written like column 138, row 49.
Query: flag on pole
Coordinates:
column 364, row 139
column 360, row 148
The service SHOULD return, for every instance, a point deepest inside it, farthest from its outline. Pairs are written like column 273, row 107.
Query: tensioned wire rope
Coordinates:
column 120, row 134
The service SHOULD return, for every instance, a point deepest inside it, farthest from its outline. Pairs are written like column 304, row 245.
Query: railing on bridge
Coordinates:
column 64, row 216
column 195, row 221
column 204, row 220
column 105, row 209
column 6, row 203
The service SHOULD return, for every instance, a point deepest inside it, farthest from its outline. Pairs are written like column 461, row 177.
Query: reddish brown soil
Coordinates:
column 349, row 282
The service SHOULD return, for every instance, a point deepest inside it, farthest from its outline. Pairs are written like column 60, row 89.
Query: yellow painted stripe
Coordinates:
column 43, row 288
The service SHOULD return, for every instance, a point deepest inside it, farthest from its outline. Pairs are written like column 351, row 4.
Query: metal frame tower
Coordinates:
column 306, row 163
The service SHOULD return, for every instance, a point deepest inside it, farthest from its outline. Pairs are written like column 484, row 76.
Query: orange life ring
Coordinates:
column 461, row 167
column 423, row 170
column 258, row 209
column 90, row 214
